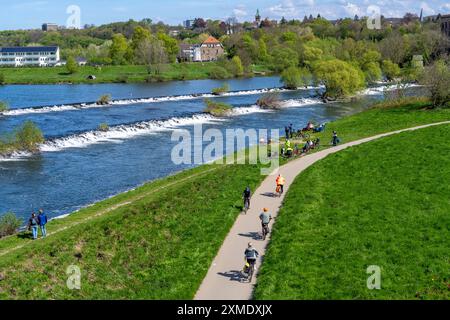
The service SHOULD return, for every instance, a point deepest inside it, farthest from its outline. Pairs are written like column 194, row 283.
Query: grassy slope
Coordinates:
column 384, row 203
column 160, row 246
column 185, row 71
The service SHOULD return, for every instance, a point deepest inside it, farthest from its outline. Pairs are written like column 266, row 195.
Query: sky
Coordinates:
column 30, row 14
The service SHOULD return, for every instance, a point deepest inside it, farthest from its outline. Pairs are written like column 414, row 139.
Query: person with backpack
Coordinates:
column 33, row 225
column 42, row 219
column 335, row 141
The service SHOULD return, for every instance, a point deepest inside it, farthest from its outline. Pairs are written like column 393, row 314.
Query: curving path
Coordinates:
column 222, row 281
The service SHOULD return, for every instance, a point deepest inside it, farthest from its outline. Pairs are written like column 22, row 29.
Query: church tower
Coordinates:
column 258, row 18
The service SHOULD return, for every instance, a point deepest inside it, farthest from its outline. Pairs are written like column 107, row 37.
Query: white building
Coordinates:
column 29, row 56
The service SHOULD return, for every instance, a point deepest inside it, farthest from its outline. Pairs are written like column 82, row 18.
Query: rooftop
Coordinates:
column 211, row 40
column 27, row 49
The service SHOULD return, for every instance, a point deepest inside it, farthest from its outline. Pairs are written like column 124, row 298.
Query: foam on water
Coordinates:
column 120, row 133
column 125, row 102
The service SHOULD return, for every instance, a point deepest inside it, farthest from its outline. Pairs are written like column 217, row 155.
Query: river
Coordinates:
column 80, row 165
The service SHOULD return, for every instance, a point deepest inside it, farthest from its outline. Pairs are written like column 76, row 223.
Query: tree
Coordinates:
column 391, row 70
column 372, row 72
column 437, row 78
column 283, row 58
column 140, row 35
column 28, row 137
column 151, row 52
column 170, row 45
column 339, row 77
column 71, row 65
column 309, row 55
column 294, row 77
column 263, row 54
column 237, row 67
column 119, row 49
column 199, row 23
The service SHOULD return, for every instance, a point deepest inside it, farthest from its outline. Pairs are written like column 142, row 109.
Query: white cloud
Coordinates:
column 427, row 10
column 446, row 6
column 286, row 8
column 353, row 9
column 240, row 11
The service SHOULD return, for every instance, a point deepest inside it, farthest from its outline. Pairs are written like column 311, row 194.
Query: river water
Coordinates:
column 79, row 164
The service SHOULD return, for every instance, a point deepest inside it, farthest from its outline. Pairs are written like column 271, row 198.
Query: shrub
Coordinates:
column 104, row 99
column 237, row 67
column 122, row 78
column 437, row 79
column 2, row 79
column 294, row 77
column 3, row 106
column 217, row 72
column 9, row 224
column 223, row 89
column 28, row 136
column 103, row 127
column 269, row 100
column 217, row 109
column 339, row 77
column 71, row 65
column 391, row 70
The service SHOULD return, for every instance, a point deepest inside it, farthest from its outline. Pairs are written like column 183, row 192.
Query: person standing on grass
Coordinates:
column 42, row 219
column 286, row 130
column 33, row 225
column 336, row 139
column 291, row 131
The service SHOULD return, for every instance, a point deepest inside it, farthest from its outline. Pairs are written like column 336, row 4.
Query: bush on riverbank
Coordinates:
column 9, row 224
column 2, row 78
column 217, row 109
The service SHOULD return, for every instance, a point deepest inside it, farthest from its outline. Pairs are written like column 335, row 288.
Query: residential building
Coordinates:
column 29, row 56
column 210, row 50
column 186, row 52
column 443, row 20
column 49, row 27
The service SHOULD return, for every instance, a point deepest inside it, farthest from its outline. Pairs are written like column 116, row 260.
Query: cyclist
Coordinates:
column 280, row 184
column 251, row 254
column 265, row 218
column 247, row 195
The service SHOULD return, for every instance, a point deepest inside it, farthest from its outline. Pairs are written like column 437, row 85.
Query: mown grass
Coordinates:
column 161, row 245
column 108, row 74
column 384, row 203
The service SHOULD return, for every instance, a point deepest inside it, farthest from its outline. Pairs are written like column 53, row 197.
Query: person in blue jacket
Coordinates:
column 42, row 219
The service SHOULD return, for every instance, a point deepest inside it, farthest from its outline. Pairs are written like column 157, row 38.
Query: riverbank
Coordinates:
column 157, row 242
column 119, row 74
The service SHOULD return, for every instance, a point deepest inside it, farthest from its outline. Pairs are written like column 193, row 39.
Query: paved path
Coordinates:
column 222, row 280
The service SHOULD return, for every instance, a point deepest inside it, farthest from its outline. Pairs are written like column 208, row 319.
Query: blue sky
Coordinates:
column 25, row 14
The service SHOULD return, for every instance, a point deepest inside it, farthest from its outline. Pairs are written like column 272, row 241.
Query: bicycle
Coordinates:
column 279, row 191
column 249, row 270
column 265, row 231
column 246, row 205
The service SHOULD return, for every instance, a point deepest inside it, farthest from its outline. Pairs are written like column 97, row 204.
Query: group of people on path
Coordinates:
column 37, row 222
column 251, row 254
